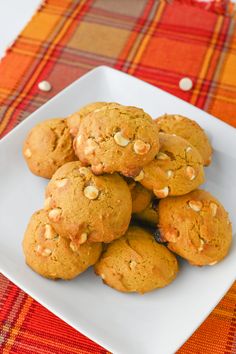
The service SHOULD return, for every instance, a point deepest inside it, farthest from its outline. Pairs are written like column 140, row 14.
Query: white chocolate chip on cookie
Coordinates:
column 55, row 214
column 195, row 205
column 120, row 139
column 141, row 148
column 161, row 193
column 91, row 192
column 190, row 172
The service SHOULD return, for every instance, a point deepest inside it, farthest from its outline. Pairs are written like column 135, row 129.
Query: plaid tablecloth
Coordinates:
column 157, row 41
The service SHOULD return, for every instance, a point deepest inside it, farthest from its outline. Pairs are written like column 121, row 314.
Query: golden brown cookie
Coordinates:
column 189, row 130
column 73, row 121
column 53, row 256
column 48, row 146
column 83, row 206
column 177, row 168
column 148, row 215
column 136, row 263
column 196, row 227
column 141, row 197
column 117, row 138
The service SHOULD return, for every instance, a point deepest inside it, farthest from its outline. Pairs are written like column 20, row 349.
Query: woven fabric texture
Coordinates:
column 159, row 42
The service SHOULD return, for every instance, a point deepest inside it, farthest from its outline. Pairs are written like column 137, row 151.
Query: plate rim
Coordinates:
column 104, row 70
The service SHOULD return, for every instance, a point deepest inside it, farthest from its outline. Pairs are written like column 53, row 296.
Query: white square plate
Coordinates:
column 158, row 322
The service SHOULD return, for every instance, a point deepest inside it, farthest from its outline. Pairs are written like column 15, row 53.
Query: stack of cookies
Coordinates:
column 123, row 197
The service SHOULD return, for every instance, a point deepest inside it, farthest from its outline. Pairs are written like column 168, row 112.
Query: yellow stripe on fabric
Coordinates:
column 207, row 60
column 41, row 65
column 147, row 37
column 16, row 329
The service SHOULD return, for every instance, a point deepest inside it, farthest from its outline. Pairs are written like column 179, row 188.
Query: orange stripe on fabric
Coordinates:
column 147, row 37
column 43, row 340
column 207, row 59
column 40, row 66
column 16, row 329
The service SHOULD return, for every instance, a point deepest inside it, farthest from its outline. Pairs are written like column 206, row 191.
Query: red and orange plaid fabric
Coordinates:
column 157, row 41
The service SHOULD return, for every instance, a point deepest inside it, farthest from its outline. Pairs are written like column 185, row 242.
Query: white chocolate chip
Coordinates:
column 89, row 150
column 84, row 171
column 73, row 246
column 46, row 252
column 195, row 205
column 102, row 276
column 98, row 169
column 177, row 117
column 213, row 208
column 27, row 153
column 190, row 172
column 38, row 248
column 91, row 192
column 141, row 148
column 162, row 156
column 202, row 243
column 171, row 235
column 83, row 238
column 44, row 86
column 61, row 183
column 55, row 214
column 132, row 264
column 78, row 139
column 161, row 193
column 185, row 84
column 140, row 176
column 213, row 263
column 120, row 139
column 100, row 109
column 47, row 203
column 49, row 233
column 169, row 174
column 188, row 149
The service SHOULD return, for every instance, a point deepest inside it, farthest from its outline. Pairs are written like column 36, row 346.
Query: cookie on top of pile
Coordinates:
column 123, row 196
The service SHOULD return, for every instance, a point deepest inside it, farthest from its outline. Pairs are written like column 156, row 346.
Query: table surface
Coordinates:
column 14, row 15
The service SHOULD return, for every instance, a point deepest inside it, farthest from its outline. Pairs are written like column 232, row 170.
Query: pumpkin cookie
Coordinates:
column 117, row 138
column 148, row 215
column 176, row 170
column 73, row 121
column 137, row 263
column 189, row 130
column 47, row 147
column 53, row 256
column 196, row 227
column 141, row 197
column 83, row 206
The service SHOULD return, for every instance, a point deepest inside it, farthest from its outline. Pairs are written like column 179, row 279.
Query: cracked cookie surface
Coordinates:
column 136, row 263
column 177, row 168
column 189, row 130
column 48, row 146
column 73, row 120
column 82, row 206
column 196, row 227
column 53, row 256
column 117, row 138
